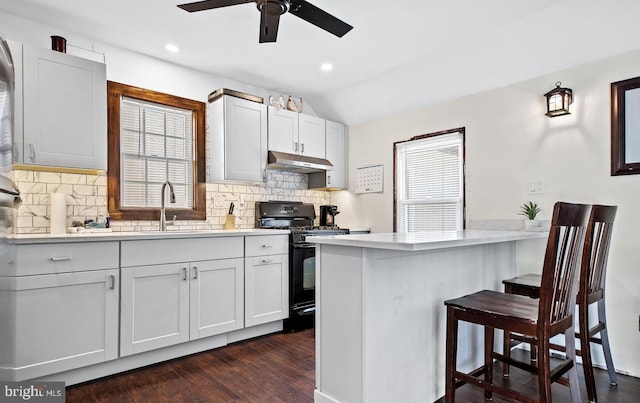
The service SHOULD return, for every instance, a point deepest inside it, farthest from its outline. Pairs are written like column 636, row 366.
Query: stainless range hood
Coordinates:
column 297, row 163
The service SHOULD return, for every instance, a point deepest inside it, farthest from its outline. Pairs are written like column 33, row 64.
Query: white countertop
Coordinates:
column 416, row 241
column 134, row 236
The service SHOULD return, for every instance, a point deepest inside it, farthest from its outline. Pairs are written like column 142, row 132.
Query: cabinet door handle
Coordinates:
column 266, row 246
column 302, row 148
column 195, row 272
column 329, row 179
column 267, row 260
column 184, row 271
column 295, row 146
column 16, row 153
column 61, row 258
column 113, row 282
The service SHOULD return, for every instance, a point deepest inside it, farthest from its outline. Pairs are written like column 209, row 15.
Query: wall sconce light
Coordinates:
column 558, row 101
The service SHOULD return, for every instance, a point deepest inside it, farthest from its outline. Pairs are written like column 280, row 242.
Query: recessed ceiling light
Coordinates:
column 172, row 48
column 326, row 66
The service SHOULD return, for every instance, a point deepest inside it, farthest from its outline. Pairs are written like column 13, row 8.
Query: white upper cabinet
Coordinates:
column 311, row 135
column 64, row 115
column 337, row 153
column 296, row 133
column 238, row 139
column 283, row 130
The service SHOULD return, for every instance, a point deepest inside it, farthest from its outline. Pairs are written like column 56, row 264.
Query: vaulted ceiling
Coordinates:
column 401, row 54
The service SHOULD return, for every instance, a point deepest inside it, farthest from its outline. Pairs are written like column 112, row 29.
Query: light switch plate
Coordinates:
column 535, row 187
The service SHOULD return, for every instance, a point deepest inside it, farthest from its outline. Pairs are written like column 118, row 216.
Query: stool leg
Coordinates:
column 451, row 355
column 585, row 348
column 533, row 353
column 506, row 341
column 604, row 336
column 506, row 351
column 488, row 359
column 574, row 386
column 544, row 370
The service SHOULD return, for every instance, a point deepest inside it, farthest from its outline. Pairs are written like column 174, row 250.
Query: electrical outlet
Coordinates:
column 220, row 202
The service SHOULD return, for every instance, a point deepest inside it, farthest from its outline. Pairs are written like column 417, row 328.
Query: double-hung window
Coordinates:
column 429, row 182
column 156, row 145
column 154, row 138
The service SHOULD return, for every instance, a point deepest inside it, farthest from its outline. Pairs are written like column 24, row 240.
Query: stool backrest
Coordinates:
column 558, row 288
column 595, row 253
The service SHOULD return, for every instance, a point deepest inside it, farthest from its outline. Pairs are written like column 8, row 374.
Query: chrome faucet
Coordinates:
column 172, row 199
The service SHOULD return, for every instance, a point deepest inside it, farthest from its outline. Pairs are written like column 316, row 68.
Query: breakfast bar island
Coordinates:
column 380, row 319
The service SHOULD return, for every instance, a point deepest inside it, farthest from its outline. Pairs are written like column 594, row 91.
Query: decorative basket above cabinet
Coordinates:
column 61, row 109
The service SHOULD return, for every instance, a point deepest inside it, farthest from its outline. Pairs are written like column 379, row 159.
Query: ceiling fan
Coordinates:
column 271, row 10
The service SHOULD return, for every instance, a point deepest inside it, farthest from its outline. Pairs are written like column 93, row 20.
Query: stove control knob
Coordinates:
column 303, row 238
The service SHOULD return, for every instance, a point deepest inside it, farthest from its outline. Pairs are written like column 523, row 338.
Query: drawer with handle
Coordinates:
column 65, row 257
column 263, row 245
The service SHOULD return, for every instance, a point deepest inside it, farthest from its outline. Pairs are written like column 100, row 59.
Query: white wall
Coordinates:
column 509, row 142
column 129, row 67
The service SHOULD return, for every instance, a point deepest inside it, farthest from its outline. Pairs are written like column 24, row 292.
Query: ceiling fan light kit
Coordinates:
column 271, row 10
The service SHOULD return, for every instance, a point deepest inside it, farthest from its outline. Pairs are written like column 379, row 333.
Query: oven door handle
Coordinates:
column 306, row 246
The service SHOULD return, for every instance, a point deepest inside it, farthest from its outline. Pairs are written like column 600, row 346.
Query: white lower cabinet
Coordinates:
column 266, row 279
column 154, row 308
column 216, row 297
column 57, row 322
column 66, row 305
column 167, row 304
column 266, row 289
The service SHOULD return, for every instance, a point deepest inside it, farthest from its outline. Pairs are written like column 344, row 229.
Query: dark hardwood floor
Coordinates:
column 278, row 368
column 274, row 368
column 627, row 390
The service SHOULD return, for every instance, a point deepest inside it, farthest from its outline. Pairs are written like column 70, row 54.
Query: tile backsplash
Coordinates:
column 86, row 197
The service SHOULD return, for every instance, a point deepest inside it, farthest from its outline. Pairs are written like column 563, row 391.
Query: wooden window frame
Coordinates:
column 460, row 130
column 115, row 92
column 619, row 132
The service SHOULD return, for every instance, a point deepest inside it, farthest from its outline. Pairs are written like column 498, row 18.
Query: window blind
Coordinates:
column 429, row 184
column 156, row 145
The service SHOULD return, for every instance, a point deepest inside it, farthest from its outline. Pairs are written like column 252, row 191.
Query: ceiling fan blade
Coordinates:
column 319, row 18
column 268, row 26
column 209, row 4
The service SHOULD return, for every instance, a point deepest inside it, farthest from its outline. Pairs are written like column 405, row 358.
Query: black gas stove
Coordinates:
column 299, row 235
column 299, row 218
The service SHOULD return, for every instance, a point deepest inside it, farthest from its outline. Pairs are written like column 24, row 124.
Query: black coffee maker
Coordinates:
column 327, row 215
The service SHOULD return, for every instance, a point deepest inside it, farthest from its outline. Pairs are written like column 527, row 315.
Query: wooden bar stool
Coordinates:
column 541, row 319
column 590, row 290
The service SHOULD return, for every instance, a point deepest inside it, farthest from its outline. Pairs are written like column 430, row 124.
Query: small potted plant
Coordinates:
column 530, row 210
